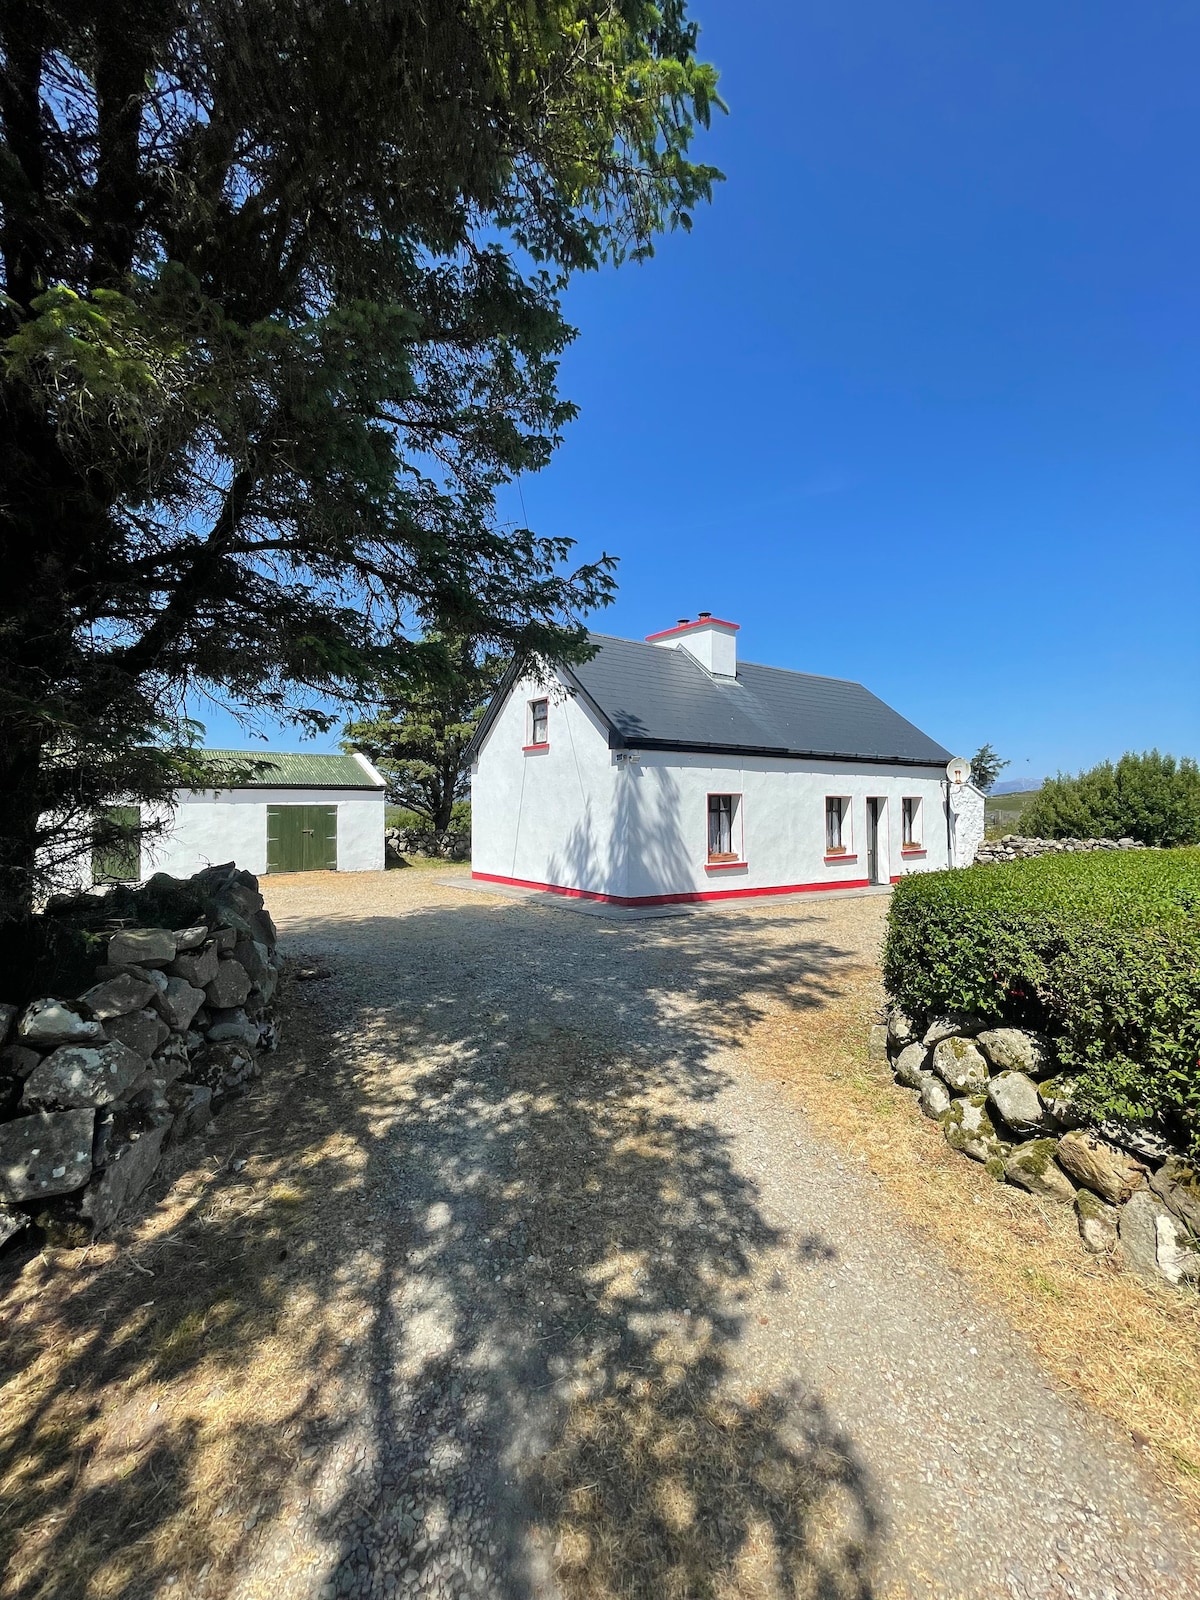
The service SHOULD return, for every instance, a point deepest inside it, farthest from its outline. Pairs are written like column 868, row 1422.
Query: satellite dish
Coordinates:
column 958, row 770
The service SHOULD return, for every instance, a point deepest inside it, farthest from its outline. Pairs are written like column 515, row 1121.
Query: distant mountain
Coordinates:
column 1018, row 785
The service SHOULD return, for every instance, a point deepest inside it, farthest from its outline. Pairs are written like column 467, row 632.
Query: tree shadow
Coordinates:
column 520, row 1259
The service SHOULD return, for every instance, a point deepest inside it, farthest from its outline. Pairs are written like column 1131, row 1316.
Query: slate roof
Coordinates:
column 657, row 698
column 298, row 772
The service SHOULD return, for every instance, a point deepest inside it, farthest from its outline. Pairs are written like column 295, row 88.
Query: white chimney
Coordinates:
column 711, row 641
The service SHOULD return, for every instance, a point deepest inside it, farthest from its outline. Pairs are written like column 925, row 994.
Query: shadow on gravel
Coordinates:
column 517, row 1252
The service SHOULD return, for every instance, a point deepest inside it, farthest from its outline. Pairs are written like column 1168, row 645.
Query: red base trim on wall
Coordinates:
column 689, row 898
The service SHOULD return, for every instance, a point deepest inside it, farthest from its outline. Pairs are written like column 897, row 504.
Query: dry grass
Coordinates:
column 1131, row 1350
column 160, row 1387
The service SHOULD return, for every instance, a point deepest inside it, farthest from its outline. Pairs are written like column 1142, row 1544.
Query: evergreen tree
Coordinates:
column 280, row 311
column 422, row 723
column 986, row 767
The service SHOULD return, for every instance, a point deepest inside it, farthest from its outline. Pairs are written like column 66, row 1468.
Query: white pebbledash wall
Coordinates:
column 580, row 817
column 210, row 826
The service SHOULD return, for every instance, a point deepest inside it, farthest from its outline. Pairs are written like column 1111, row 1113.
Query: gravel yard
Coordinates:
column 578, row 1304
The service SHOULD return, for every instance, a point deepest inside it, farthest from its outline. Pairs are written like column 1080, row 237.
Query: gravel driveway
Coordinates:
column 631, row 1329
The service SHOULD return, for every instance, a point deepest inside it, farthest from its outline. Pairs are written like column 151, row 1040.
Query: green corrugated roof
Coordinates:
column 298, row 772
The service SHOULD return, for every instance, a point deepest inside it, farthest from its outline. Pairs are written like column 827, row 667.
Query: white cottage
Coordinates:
column 300, row 813
column 668, row 771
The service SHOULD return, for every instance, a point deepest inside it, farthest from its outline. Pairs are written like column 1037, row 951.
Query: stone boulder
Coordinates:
column 178, row 1003
column 1110, row 1172
column 1032, row 1167
column 223, row 1068
column 1060, row 1096
column 8, row 1015
column 1097, row 1223
column 971, row 1132
column 48, row 1153
column 190, row 938
column 1177, row 1185
column 47, row 1023
column 1015, row 1099
column 255, row 957
column 118, row 996
column 910, row 1066
column 933, row 1096
column 197, row 967
column 131, row 1164
column 959, row 1063
column 233, row 1026
column 77, row 1075
column 229, row 987
column 140, row 1031
column 1016, row 1050
column 946, row 1027
column 900, row 1030
column 877, row 1041
column 18, row 1060
column 11, row 1223
column 1156, row 1244
column 191, row 1104
column 148, row 947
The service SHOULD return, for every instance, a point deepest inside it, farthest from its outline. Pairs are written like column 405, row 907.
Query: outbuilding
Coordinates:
column 298, row 813
column 669, row 771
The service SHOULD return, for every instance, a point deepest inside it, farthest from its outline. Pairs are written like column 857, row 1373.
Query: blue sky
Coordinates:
column 916, row 402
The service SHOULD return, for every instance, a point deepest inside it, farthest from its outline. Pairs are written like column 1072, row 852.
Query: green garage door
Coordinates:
column 301, row 838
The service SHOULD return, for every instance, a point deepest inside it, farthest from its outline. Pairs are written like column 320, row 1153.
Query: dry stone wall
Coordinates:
column 1012, row 847
column 449, row 846
column 1001, row 1101
column 93, row 1089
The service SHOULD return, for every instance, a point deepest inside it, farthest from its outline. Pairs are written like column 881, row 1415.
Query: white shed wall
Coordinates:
column 578, row 816
column 209, row 826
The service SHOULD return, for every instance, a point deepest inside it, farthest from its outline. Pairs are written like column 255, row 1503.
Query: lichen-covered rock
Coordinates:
column 1155, row 1243
column 149, row 947
column 192, row 1107
column 1032, row 1167
column 77, row 1075
column 49, row 1022
column 1177, row 1185
column 190, row 938
column 1060, row 1096
column 1110, row 1172
column 877, row 1039
column 946, row 1027
column 172, row 1060
column 48, row 1153
column 225, row 940
column 131, row 1164
column 178, row 1003
column 233, row 1026
column 900, row 1030
column 933, row 1096
column 229, row 987
column 958, row 1063
column 1097, row 1223
column 911, row 1066
column 255, row 957
column 11, row 1223
column 118, row 996
column 140, row 1031
column 1016, row 1050
column 970, row 1130
column 224, row 1068
column 1015, row 1099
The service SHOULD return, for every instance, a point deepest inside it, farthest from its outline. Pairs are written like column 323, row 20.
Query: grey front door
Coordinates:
column 873, row 809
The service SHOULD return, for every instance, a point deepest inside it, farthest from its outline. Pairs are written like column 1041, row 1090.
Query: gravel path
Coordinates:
column 634, row 1331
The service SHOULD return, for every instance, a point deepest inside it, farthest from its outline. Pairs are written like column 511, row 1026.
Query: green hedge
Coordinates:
column 1101, row 950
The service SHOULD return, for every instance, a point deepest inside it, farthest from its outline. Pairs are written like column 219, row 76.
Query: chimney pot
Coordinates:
column 682, row 622
column 704, row 615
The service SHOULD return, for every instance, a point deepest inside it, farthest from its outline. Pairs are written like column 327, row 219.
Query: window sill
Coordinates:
column 526, row 748
column 912, row 850
column 725, row 866
column 842, row 855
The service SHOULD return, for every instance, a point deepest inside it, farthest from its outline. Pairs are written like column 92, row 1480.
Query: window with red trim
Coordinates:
column 724, row 828
column 539, row 722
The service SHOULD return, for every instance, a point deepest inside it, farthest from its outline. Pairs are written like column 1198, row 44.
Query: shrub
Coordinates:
column 1150, row 797
column 1099, row 950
